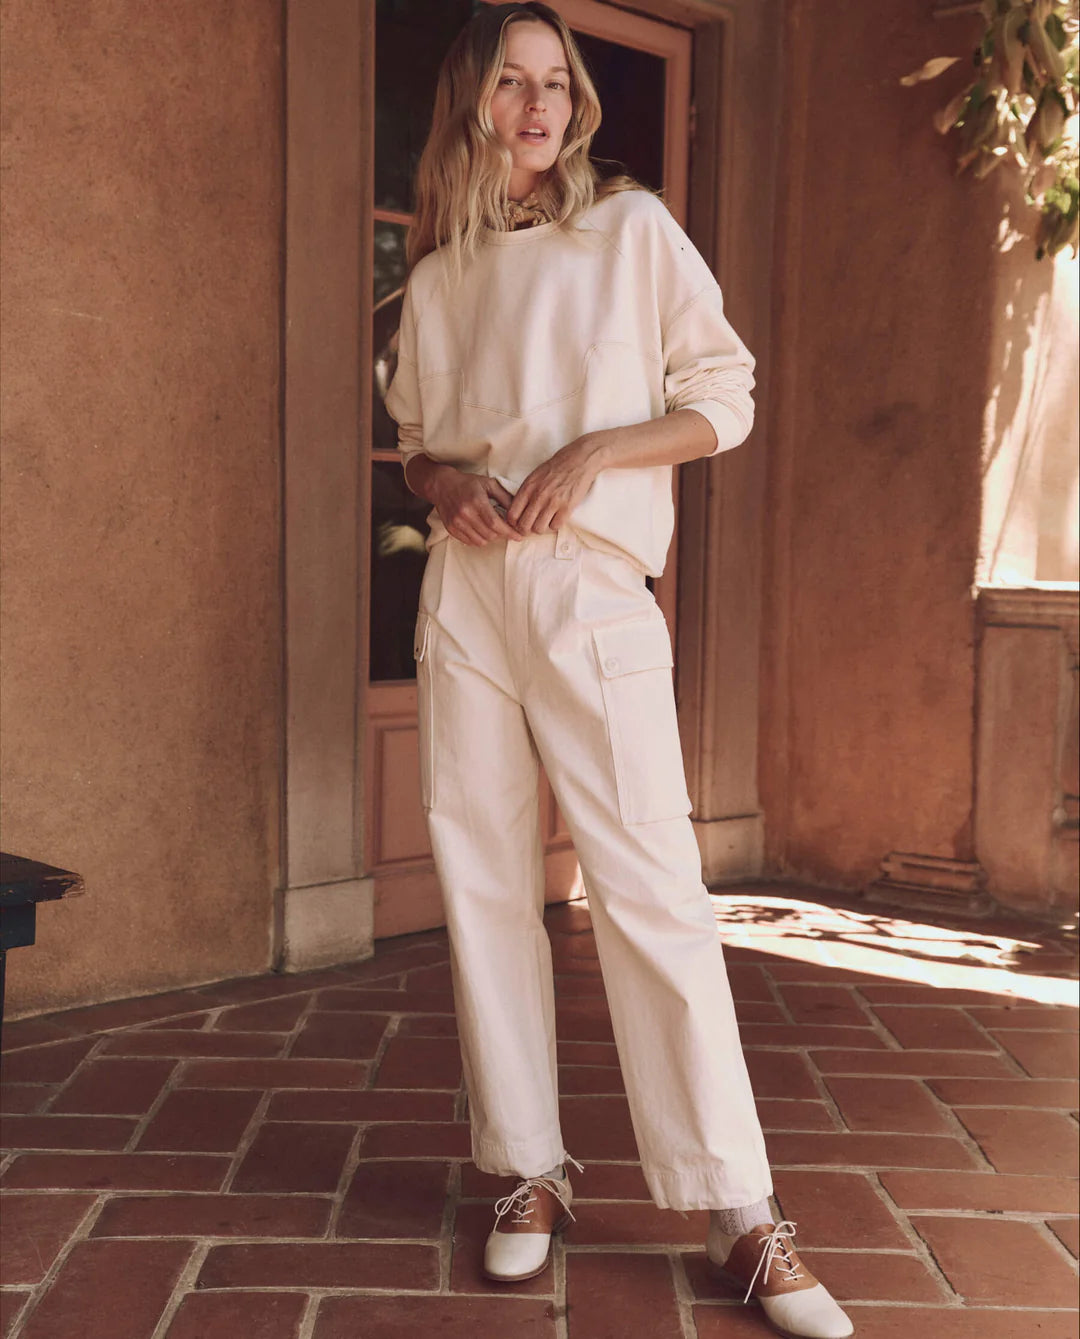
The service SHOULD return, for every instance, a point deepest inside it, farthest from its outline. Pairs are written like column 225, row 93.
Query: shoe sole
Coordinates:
column 720, row 1273
column 520, row 1278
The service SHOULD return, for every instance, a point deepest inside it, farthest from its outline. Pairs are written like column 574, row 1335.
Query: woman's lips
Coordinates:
column 533, row 134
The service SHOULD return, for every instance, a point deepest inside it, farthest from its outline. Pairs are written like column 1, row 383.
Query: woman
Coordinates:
column 562, row 345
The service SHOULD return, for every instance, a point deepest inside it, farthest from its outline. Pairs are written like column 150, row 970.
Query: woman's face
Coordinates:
column 531, row 106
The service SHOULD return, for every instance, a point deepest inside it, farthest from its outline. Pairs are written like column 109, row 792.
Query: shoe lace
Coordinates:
column 777, row 1251
column 522, row 1198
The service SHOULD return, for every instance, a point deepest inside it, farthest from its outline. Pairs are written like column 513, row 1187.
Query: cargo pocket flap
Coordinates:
column 627, row 648
column 420, row 636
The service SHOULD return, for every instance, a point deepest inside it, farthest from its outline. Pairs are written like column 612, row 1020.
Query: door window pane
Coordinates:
column 398, row 555
column 411, row 38
column 389, row 284
column 631, row 88
column 389, row 259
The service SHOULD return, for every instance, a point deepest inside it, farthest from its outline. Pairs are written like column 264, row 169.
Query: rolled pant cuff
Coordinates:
column 530, row 1157
column 704, row 1188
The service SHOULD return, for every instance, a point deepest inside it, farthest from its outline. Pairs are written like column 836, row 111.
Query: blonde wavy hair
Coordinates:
column 464, row 171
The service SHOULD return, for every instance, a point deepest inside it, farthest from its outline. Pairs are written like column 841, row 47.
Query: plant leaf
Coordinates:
column 1044, row 51
column 989, row 160
column 946, row 117
column 930, row 70
column 1011, row 50
column 1022, row 106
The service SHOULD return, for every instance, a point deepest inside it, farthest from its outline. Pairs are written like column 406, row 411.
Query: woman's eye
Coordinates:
column 556, row 84
column 508, row 79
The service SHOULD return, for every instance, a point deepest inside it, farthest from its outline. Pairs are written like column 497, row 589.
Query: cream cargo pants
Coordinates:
column 547, row 647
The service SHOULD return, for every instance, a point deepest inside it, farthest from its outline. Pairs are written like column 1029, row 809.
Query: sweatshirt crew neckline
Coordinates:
column 513, row 237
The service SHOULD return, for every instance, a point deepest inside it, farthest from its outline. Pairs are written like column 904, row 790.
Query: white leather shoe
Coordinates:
column 765, row 1263
column 519, row 1246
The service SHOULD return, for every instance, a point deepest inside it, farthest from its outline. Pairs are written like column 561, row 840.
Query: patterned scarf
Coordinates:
column 526, row 213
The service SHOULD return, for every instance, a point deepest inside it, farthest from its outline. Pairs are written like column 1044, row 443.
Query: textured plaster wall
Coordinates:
column 886, row 269
column 141, row 633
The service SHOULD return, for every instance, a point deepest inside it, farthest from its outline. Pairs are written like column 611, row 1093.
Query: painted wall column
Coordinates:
column 732, row 193
column 325, row 910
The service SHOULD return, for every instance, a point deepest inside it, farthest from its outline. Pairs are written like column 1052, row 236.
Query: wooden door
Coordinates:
column 642, row 70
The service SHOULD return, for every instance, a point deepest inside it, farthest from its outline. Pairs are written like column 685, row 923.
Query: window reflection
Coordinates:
column 389, row 258
column 389, row 286
column 631, row 87
column 411, row 38
column 398, row 556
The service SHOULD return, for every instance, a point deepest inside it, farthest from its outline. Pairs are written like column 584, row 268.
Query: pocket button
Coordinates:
column 611, row 663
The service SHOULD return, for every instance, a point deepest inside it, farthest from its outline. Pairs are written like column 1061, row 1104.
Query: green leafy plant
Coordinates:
column 1021, row 106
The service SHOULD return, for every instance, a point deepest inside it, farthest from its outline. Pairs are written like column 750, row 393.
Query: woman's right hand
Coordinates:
column 464, row 501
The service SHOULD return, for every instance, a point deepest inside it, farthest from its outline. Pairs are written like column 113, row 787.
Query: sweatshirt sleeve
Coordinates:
column 403, row 394
column 707, row 367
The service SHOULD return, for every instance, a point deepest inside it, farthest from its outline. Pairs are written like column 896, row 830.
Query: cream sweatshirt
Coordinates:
column 555, row 332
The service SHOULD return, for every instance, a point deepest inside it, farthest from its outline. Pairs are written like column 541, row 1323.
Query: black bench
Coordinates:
column 23, row 884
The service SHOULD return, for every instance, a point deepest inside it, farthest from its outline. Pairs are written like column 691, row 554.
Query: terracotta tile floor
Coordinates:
column 287, row 1158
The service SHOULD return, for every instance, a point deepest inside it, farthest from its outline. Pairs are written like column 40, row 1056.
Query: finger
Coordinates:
column 499, row 493
column 489, row 524
column 483, row 519
column 480, row 536
column 545, row 524
column 493, row 523
column 469, row 516
column 522, row 500
column 466, row 534
column 501, row 530
column 534, row 519
column 523, row 512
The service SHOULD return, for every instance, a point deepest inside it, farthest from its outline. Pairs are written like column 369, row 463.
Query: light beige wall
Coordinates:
column 1031, row 441
column 885, row 280
column 141, row 510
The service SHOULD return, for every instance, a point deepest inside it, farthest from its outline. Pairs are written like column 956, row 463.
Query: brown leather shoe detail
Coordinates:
column 536, row 1207
column 786, row 1272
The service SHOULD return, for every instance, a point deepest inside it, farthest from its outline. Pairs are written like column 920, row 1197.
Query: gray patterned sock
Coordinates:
column 734, row 1222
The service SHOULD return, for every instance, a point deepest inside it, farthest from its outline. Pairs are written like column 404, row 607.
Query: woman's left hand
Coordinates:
column 548, row 496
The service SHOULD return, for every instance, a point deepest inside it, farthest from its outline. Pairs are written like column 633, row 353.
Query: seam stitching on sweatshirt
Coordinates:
column 709, row 288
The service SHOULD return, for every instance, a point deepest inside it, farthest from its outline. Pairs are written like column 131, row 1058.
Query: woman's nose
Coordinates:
column 535, row 99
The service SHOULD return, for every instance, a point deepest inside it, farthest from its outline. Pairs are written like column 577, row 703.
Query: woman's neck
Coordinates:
column 522, row 184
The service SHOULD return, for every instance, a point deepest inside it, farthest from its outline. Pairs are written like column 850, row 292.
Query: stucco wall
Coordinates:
column 886, row 270
column 141, row 634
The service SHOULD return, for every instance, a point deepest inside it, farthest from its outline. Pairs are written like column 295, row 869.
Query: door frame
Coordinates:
column 324, row 911
column 407, row 893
